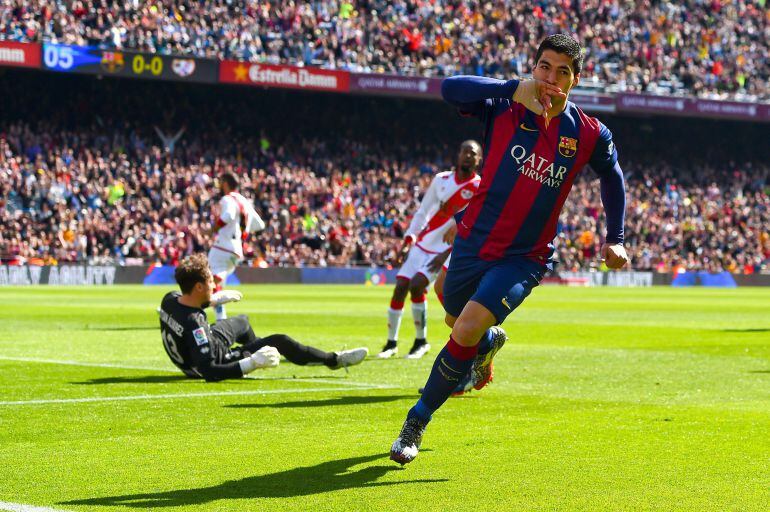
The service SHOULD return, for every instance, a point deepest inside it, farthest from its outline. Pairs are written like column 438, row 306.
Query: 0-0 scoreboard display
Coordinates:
column 96, row 61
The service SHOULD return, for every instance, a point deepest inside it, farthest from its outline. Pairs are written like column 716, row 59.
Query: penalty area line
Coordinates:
column 316, row 380
column 20, row 507
column 179, row 395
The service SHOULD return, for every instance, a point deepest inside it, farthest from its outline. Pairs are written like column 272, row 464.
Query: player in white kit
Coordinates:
column 237, row 218
column 448, row 193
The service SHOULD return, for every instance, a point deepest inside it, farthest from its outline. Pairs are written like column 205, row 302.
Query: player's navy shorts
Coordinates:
column 500, row 286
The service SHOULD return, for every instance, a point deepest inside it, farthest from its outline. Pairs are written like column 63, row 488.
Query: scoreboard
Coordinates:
column 95, row 61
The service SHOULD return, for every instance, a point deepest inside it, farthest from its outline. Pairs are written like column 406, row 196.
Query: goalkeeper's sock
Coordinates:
column 221, row 313
column 451, row 365
column 419, row 314
column 395, row 312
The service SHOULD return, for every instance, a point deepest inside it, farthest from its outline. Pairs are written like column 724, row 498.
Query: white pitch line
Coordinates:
column 173, row 370
column 20, row 507
column 81, row 363
column 179, row 395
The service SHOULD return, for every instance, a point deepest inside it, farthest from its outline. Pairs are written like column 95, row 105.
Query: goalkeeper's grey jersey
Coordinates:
column 189, row 343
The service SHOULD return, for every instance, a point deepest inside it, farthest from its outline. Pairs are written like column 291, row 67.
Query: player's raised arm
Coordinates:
column 469, row 93
column 613, row 191
column 462, row 90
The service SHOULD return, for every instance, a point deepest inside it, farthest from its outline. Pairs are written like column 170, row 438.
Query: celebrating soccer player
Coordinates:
column 448, row 193
column 535, row 144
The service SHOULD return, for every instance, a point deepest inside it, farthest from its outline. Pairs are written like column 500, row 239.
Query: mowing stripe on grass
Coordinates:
column 314, row 380
column 20, row 507
column 181, row 395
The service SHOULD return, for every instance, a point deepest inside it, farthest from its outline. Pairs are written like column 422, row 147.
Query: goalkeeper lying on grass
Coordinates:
column 209, row 352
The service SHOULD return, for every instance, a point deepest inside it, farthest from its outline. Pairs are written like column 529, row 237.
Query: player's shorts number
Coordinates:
column 173, row 353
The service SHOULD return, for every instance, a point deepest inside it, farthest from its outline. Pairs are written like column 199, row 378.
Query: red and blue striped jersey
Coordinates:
column 528, row 172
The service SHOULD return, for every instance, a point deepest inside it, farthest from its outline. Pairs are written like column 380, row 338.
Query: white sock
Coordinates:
column 394, row 323
column 420, row 315
column 221, row 313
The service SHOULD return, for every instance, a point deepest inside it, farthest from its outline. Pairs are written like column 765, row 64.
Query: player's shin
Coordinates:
column 395, row 312
column 420, row 316
column 451, row 365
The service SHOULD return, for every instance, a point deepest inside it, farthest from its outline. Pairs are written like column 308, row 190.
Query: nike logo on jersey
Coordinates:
column 527, row 128
column 505, row 303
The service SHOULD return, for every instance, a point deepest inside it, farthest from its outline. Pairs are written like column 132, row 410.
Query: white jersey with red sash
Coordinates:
column 236, row 214
column 445, row 197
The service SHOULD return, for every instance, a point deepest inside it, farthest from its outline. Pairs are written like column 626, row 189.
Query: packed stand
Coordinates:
column 124, row 172
column 715, row 49
column 81, row 196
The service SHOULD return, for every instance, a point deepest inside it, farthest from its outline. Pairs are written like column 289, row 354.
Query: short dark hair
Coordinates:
column 192, row 270
column 231, row 180
column 564, row 44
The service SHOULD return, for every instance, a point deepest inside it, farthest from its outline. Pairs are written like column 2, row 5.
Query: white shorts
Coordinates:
column 417, row 263
column 222, row 263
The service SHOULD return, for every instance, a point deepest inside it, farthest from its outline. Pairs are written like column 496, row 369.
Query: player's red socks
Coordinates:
column 460, row 352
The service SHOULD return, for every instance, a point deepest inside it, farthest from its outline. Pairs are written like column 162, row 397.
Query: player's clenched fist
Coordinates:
column 614, row 255
column 536, row 95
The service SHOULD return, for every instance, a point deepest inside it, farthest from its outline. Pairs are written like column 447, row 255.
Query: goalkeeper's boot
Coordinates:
column 419, row 349
column 389, row 350
column 350, row 357
column 483, row 369
column 407, row 444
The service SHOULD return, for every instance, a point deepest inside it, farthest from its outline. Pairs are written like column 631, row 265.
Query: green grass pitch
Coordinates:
column 604, row 399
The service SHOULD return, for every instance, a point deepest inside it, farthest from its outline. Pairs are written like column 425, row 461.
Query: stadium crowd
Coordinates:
column 69, row 196
column 714, row 48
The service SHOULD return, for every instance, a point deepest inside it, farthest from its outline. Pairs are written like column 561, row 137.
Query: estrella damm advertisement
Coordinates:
column 96, row 61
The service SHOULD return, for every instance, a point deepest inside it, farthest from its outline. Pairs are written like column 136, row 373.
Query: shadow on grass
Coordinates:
column 143, row 379
column 328, row 476
column 342, row 400
column 759, row 371
column 747, row 330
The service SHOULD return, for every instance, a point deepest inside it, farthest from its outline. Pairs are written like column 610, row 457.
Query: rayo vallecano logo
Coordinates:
column 183, row 67
column 567, row 146
column 466, row 193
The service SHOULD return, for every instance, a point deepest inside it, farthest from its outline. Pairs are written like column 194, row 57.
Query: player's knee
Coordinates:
column 450, row 320
column 282, row 342
column 402, row 287
column 467, row 331
column 417, row 292
column 418, row 285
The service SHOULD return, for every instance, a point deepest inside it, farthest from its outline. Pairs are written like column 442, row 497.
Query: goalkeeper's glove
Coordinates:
column 266, row 357
column 225, row 296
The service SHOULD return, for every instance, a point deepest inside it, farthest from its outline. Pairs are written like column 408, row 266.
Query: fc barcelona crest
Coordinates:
column 113, row 62
column 567, row 147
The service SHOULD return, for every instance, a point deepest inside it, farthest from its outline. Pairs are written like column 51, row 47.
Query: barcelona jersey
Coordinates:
column 528, row 172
